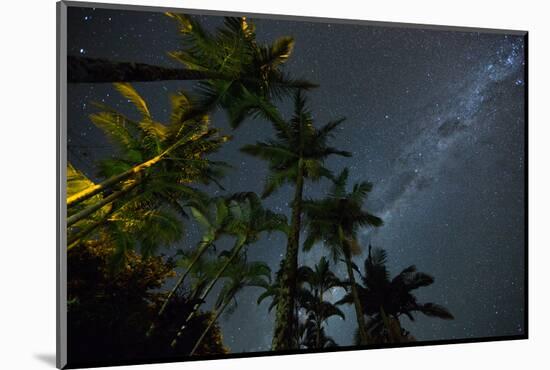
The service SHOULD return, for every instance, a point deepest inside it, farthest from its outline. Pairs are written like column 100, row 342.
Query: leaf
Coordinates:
column 183, row 20
column 200, row 217
column 114, row 127
column 130, row 93
column 280, row 51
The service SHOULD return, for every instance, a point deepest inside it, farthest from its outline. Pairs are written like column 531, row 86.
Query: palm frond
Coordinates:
column 128, row 91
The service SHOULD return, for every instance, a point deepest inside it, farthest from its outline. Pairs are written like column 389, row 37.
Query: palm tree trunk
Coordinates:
column 73, row 241
column 204, row 245
column 98, row 188
column 319, row 315
column 132, row 172
column 92, row 70
column 394, row 334
column 102, row 203
column 363, row 336
column 214, row 319
column 285, row 320
column 203, row 296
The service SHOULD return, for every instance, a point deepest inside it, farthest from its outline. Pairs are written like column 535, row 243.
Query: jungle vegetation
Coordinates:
column 137, row 291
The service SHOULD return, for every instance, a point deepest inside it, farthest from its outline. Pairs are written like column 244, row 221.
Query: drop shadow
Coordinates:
column 47, row 358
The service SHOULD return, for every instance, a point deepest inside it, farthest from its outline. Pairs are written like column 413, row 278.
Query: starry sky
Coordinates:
column 435, row 120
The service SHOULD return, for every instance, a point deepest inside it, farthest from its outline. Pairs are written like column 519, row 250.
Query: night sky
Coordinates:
column 435, row 120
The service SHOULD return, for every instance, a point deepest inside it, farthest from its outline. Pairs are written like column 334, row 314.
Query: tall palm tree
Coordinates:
column 335, row 221
column 239, row 275
column 76, row 182
column 297, row 154
column 166, row 158
column 248, row 220
column 234, row 70
column 319, row 281
column 123, row 223
column 141, row 204
column 252, row 71
column 384, row 300
column 213, row 215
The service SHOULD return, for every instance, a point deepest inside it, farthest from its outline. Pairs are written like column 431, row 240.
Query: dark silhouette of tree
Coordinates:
column 108, row 309
column 239, row 275
column 297, row 153
column 384, row 300
column 248, row 220
column 316, row 283
column 214, row 216
column 335, row 221
column 97, row 70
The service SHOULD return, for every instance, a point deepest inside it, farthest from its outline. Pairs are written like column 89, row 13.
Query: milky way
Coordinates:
column 435, row 120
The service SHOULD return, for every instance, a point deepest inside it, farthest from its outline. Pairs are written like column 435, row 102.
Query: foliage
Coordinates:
column 315, row 283
column 336, row 219
column 156, row 164
column 252, row 71
column 108, row 310
column 297, row 153
column 150, row 185
column 381, row 296
column 297, row 142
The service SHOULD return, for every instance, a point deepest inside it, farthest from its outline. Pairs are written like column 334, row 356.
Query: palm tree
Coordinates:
column 384, row 300
column 319, row 281
column 248, row 220
column 335, row 221
column 312, row 284
column 239, row 275
column 252, row 72
column 297, row 154
column 213, row 215
column 234, row 70
column 162, row 160
column 148, row 179
column 123, row 223
column 76, row 182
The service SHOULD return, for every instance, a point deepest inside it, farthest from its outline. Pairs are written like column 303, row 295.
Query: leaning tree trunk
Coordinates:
column 285, row 320
column 204, row 245
column 94, row 70
column 73, row 240
column 90, row 191
column 134, row 171
column 102, row 203
column 214, row 319
column 363, row 336
column 203, row 296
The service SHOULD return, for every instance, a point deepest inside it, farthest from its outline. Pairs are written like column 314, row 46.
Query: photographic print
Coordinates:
column 241, row 184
